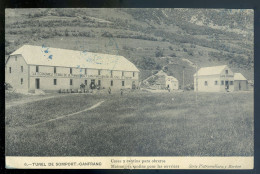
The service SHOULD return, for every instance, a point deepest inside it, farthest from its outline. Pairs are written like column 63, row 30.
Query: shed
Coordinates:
column 240, row 82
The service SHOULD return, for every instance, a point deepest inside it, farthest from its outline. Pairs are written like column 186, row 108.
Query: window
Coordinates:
column 71, row 82
column 15, row 58
column 21, row 81
column 111, row 83
column 99, row 72
column 86, row 82
column 231, row 82
column 206, row 83
column 226, row 71
column 123, row 83
column 70, row 70
column 21, row 68
column 123, row 74
column 54, row 70
column 85, row 71
column 216, row 82
column 10, row 70
column 99, row 82
column 133, row 74
column 222, row 82
column 37, row 68
column 111, row 73
column 54, row 81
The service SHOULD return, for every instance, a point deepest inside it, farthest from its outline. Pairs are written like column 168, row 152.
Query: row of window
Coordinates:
column 99, row 71
column 54, row 70
column 86, row 82
column 216, row 82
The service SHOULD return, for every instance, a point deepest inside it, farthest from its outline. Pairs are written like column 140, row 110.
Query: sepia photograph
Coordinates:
column 129, row 82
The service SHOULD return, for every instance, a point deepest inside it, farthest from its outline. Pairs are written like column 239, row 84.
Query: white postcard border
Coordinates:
column 128, row 162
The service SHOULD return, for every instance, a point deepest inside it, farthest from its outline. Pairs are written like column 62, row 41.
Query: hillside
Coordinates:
column 154, row 39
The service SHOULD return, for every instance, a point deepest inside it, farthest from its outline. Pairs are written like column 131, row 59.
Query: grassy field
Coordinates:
column 11, row 97
column 136, row 124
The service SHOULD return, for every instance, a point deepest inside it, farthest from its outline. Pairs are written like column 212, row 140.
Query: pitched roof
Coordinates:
column 40, row 55
column 172, row 78
column 239, row 76
column 213, row 70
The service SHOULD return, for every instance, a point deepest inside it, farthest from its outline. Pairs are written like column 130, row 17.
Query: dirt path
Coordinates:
column 30, row 100
column 68, row 115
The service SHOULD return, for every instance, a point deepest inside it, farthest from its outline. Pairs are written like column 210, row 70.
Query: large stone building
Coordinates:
column 218, row 79
column 51, row 69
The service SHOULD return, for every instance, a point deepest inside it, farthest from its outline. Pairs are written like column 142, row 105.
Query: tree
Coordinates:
column 146, row 63
column 173, row 55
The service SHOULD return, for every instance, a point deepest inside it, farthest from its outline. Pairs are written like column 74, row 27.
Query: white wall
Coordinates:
column 173, row 85
column 14, row 78
column 211, row 87
column 63, row 82
column 243, row 84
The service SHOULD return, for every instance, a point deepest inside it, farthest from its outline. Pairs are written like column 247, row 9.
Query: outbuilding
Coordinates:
column 49, row 69
column 240, row 82
column 161, row 80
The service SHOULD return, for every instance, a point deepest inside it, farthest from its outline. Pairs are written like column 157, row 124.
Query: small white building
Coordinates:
column 171, row 83
column 162, row 81
column 214, row 79
column 240, row 82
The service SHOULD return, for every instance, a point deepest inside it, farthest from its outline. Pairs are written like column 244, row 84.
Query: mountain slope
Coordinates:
column 150, row 38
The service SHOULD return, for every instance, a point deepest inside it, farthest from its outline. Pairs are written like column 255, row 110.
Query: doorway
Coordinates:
column 133, row 85
column 227, row 84
column 92, row 84
column 37, row 83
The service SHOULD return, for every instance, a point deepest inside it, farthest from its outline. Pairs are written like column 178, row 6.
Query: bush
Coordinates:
column 107, row 34
column 173, row 55
column 146, row 63
column 189, row 87
column 190, row 52
column 158, row 53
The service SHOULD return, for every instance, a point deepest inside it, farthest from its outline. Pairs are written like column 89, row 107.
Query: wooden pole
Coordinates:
column 197, row 85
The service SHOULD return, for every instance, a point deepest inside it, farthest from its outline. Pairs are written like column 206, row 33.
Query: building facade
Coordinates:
column 216, row 79
column 32, row 67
